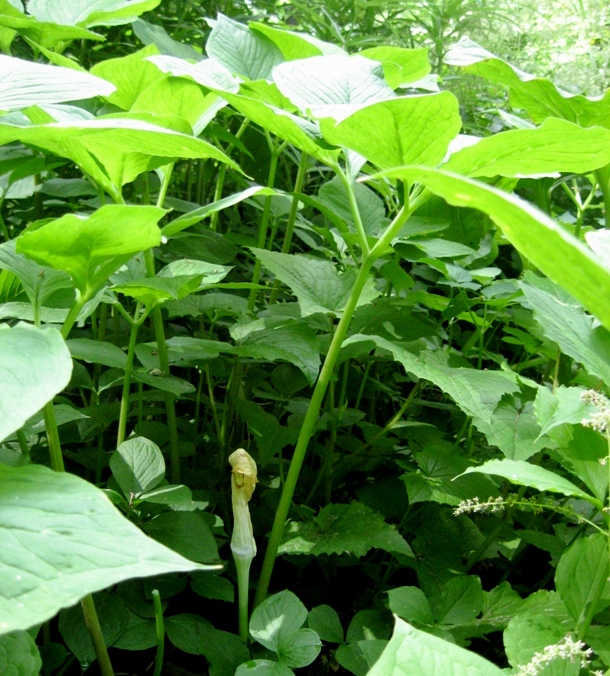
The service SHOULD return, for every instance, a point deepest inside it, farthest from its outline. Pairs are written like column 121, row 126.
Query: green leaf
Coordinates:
column 63, row 414
column 243, row 51
column 19, row 655
column 416, row 653
column 186, row 533
column 130, row 75
column 97, row 352
column 583, row 456
column 525, row 474
column 411, row 604
column 460, row 602
column 176, row 497
column 372, row 211
column 195, row 635
column 263, row 668
column 197, row 215
column 91, row 248
column 566, row 323
column 581, row 574
column 154, row 291
column 369, row 624
column 172, row 384
column 277, row 619
column 212, row 587
column 295, row 45
column 299, row 649
column 25, row 83
column 529, row 633
column 325, row 621
column 137, row 465
column 35, row 365
column 209, row 73
column 140, row 634
column 66, row 540
column 331, row 86
column 406, row 130
column 338, row 529
column 513, row 428
column 360, row 656
column 547, row 245
column 153, row 34
column 538, row 96
column 315, row 282
column 86, row 13
column 563, row 406
column 556, row 146
column 400, row 66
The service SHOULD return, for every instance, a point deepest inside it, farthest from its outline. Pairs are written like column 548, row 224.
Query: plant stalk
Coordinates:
column 133, row 337
column 95, row 631
column 160, row 629
column 603, row 178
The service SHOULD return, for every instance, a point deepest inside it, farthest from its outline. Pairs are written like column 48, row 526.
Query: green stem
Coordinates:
column 242, row 565
column 95, row 631
column 603, row 178
column 351, row 195
column 292, row 217
column 23, row 444
column 57, row 460
column 160, row 628
column 307, row 430
column 133, row 337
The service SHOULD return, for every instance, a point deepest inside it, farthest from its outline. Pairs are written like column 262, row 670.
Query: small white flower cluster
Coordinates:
column 599, row 421
column 566, row 649
column 473, row 505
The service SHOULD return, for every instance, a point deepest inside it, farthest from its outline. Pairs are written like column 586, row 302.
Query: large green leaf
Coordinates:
column 417, row 653
column 555, row 146
column 400, row 65
column 338, row 529
column 35, row 365
column 137, row 465
column 97, row 352
column 315, row 282
column 277, row 619
column 324, row 620
column 23, row 84
column 19, row 655
column 525, row 474
column 295, row 45
column 548, row 246
column 88, row 13
column 327, row 86
column 529, row 633
column 209, row 73
column 538, row 96
column 334, row 195
column 186, row 533
column 91, row 248
column 581, row 573
column 564, row 322
column 63, row 539
column 263, row 668
column 405, row 130
column 243, row 51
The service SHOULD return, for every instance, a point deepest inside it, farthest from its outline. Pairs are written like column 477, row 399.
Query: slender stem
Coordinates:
column 292, row 217
column 603, row 178
column 353, row 203
column 133, row 337
column 23, row 444
column 307, row 430
column 57, row 460
column 220, row 184
column 160, row 628
column 242, row 565
column 95, row 631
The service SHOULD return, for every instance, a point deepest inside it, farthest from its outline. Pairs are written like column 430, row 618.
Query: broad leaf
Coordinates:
column 315, row 282
column 325, row 621
column 581, row 574
column 538, row 96
column 153, row 34
column 411, row 604
column 209, row 73
column 87, row 13
column 186, row 533
column 263, row 668
column 277, row 619
column 547, row 245
column 300, row 649
column 416, row 653
column 405, row 130
column 295, row 45
column 23, row 84
column 400, row 66
column 525, row 474
column 35, row 365
column 327, row 86
column 97, row 352
column 338, row 529
column 63, row 539
column 91, row 248
column 372, row 211
column 19, row 655
column 566, row 323
column 137, row 465
column 460, row 602
column 529, row 633
column 243, row 51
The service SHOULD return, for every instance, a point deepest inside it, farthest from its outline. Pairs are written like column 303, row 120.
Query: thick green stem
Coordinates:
column 133, row 337
column 242, row 565
column 603, row 178
column 57, row 460
column 292, row 217
column 97, row 638
column 160, row 629
column 307, row 430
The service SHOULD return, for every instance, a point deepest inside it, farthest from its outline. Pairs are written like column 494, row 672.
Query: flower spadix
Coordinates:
column 243, row 481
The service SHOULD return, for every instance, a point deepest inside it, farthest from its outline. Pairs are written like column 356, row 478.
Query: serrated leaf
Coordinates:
column 35, row 365
column 63, row 539
column 315, row 282
column 24, row 83
column 525, row 474
column 243, row 51
column 400, row 131
column 416, row 653
column 340, row 529
column 137, row 465
column 276, row 619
